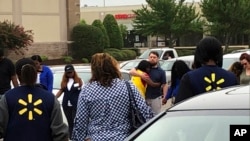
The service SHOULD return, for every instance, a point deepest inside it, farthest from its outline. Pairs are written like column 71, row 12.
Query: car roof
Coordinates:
column 235, row 97
column 163, row 48
column 233, row 55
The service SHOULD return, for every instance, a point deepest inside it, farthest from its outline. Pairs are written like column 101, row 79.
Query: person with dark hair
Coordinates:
column 208, row 74
column 245, row 62
column 104, row 105
column 30, row 113
column 156, row 82
column 143, row 68
column 44, row 73
column 7, row 73
column 179, row 68
column 71, row 86
column 237, row 69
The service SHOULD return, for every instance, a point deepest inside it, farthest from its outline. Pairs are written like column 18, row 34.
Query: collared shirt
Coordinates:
column 102, row 112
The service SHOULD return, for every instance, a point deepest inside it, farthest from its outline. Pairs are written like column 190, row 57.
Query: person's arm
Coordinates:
column 50, row 80
column 58, row 127
column 14, row 80
column 133, row 72
column 59, row 93
column 150, row 82
column 185, row 89
column 4, row 116
column 167, row 95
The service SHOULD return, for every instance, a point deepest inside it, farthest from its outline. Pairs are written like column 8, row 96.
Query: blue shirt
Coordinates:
column 172, row 91
column 46, row 78
column 102, row 112
column 157, row 75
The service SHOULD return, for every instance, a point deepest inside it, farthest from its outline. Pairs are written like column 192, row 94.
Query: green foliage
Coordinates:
column 44, row 58
column 123, row 29
column 85, row 60
column 14, row 36
column 67, row 59
column 121, row 55
column 82, row 22
column 130, row 54
column 168, row 19
column 88, row 40
column 226, row 18
column 98, row 23
column 113, row 31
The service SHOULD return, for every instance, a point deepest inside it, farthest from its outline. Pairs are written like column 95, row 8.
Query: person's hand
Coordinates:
column 145, row 77
column 164, row 101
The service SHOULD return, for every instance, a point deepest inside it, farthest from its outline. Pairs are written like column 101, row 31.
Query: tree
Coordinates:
column 113, row 31
column 87, row 40
column 14, row 36
column 167, row 18
column 98, row 23
column 226, row 18
column 123, row 29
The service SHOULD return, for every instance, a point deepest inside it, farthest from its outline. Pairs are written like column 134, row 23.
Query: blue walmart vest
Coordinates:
column 30, row 111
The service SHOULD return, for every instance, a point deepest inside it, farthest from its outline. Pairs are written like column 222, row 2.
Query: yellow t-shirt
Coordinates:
column 138, row 82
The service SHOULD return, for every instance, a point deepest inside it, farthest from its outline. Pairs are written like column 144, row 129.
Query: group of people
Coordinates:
column 241, row 69
column 206, row 75
column 30, row 111
column 100, row 109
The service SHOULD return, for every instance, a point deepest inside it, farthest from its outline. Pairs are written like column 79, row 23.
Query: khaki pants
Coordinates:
column 155, row 104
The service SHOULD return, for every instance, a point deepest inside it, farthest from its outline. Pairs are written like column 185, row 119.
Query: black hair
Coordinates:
column 179, row 68
column 1, row 52
column 209, row 48
column 26, row 71
column 36, row 58
column 143, row 65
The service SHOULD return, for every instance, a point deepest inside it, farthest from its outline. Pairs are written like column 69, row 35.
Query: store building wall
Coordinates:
column 50, row 20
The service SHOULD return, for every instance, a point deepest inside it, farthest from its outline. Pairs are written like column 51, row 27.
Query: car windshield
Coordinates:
column 145, row 54
column 194, row 127
column 167, row 65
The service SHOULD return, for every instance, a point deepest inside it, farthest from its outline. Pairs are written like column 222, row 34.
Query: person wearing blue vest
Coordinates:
column 208, row 74
column 71, row 86
column 29, row 112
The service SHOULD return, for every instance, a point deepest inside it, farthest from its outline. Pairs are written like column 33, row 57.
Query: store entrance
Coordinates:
column 133, row 39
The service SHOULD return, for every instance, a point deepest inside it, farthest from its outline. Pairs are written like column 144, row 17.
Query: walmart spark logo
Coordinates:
column 30, row 110
column 212, row 84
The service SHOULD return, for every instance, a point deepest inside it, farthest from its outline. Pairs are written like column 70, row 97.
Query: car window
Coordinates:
column 208, row 127
column 130, row 65
column 167, row 65
column 227, row 62
column 145, row 54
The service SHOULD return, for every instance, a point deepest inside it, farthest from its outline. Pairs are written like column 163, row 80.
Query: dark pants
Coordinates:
column 70, row 114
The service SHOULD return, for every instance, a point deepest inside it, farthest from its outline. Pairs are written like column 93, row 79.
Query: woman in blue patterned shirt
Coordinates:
column 103, row 104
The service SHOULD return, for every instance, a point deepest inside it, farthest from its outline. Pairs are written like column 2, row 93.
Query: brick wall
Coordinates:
column 53, row 50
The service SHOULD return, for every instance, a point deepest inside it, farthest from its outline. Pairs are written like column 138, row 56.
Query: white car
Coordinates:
column 229, row 59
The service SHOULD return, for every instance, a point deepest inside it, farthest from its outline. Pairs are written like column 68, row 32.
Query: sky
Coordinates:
column 100, row 3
